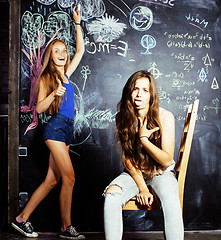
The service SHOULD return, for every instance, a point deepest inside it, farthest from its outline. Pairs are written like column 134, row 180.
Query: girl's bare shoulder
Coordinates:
column 165, row 115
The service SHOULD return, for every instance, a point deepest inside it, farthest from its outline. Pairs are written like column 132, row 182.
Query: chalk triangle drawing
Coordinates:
column 215, row 84
column 207, row 61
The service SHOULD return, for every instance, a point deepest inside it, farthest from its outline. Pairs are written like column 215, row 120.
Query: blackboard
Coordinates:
column 179, row 43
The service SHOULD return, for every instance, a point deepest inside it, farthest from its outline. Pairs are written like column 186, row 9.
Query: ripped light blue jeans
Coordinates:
column 166, row 188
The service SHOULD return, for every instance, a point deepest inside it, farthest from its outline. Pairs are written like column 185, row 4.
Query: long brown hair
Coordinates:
column 49, row 75
column 127, row 126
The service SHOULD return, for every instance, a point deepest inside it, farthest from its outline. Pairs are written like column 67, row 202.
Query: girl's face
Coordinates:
column 59, row 54
column 141, row 95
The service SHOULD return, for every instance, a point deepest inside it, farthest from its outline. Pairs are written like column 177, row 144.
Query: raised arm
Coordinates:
column 163, row 156
column 80, row 48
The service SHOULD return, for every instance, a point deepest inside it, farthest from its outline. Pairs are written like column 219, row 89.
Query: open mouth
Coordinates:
column 138, row 103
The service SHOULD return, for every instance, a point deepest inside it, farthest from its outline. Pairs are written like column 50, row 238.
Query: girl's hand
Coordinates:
column 60, row 91
column 145, row 198
column 143, row 131
column 77, row 15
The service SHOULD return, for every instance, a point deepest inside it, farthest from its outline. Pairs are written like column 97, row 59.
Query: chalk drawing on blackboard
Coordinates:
column 148, row 42
column 215, row 84
column 120, row 8
column 207, row 61
column 32, row 70
column 60, row 20
column 166, row 3
column 90, row 8
column 141, row 18
column 65, row 3
column 203, row 75
column 163, row 95
column 87, row 113
column 106, row 29
column 31, row 24
column 46, row 2
column 85, row 71
column 154, row 70
column 216, row 107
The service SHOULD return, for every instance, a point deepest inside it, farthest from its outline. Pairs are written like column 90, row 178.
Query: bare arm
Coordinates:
column 163, row 156
column 44, row 102
column 80, row 48
column 144, row 197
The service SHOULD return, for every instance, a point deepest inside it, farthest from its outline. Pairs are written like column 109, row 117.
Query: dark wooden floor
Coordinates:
column 202, row 235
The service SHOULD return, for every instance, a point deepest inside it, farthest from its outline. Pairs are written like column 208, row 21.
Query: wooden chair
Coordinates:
column 182, row 161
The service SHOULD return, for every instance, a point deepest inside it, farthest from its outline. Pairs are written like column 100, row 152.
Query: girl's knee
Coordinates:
column 69, row 180
column 52, row 182
column 113, row 189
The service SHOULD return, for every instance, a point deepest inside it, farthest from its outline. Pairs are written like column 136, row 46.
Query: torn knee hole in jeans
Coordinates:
column 113, row 192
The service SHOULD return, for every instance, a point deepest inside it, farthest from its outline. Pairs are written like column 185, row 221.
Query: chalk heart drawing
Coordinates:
column 46, row 2
column 90, row 8
column 148, row 42
column 141, row 18
column 106, row 29
column 31, row 24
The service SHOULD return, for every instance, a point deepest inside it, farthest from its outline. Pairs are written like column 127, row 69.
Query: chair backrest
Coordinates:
column 185, row 146
column 182, row 161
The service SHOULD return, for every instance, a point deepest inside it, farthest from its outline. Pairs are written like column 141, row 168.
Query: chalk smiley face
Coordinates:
column 141, row 18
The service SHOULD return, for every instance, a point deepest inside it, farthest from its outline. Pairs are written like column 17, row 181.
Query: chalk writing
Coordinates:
column 193, row 91
column 165, row 3
column 148, row 42
column 195, row 21
column 141, row 18
column 175, row 75
column 106, row 29
column 93, row 48
column 185, row 44
column 188, row 36
column 216, row 107
column 178, row 83
column 28, row 117
column 188, row 99
column 182, row 56
column 187, row 60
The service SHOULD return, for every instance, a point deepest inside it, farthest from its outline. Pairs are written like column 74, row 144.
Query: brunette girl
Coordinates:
column 146, row 134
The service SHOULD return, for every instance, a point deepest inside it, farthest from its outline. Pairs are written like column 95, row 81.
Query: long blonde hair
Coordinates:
column 127, row 126
column 49, row 75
